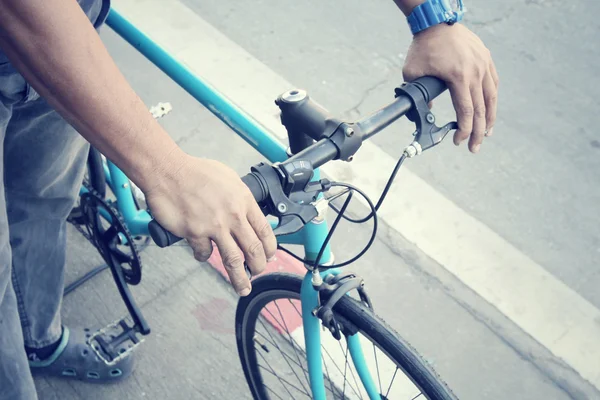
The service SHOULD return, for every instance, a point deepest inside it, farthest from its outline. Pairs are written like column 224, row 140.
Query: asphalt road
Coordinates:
column 191, row 352
column 535, row 183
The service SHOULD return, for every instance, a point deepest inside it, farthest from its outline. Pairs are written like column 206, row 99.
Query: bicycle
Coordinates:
column 291, row 189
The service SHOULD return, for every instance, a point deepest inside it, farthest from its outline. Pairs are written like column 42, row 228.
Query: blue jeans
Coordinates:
column 42, row 161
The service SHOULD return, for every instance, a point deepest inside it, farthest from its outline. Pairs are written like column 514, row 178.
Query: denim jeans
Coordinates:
column 42, row 160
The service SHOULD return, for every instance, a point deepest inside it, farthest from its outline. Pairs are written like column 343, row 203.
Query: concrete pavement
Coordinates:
column 482, row 354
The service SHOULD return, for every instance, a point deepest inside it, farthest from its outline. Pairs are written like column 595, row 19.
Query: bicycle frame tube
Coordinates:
column 314, row 235
column 221, row 107
column 311, row 236
column 136, row 220
column 312, row 339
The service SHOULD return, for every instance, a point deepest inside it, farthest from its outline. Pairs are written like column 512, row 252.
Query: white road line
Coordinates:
column 545, row 308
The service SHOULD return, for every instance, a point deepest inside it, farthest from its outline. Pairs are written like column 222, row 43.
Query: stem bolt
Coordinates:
column 349, row 131
column 281, row 207
column 349, row 158
column 430, row 118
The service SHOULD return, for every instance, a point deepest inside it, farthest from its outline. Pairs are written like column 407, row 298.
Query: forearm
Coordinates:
column 406, row 6
column 54, row 46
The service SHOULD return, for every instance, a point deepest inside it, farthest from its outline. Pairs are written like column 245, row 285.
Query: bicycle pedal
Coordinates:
column 115, row 341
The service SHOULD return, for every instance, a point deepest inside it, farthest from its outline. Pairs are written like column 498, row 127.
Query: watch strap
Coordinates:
column 428, row 14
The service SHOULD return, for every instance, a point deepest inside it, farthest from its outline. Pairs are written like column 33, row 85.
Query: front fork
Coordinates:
column 313, row 235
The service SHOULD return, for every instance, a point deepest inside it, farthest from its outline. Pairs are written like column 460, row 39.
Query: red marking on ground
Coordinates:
column 214, row 316
column 283, row 263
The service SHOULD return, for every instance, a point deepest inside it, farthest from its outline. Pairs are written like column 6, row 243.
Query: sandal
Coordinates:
column 75, row 359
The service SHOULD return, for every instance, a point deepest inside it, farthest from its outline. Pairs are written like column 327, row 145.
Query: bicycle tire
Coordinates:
column 388, row 341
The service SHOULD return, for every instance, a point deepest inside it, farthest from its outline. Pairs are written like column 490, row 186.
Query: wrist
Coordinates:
column 164, row 170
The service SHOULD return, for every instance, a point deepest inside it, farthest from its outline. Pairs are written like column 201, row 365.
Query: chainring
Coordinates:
column 110, row 235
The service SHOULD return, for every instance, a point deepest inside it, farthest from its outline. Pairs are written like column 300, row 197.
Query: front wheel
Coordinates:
column 271, row 348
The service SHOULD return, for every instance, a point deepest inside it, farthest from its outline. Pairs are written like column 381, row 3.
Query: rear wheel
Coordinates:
column 270, row 345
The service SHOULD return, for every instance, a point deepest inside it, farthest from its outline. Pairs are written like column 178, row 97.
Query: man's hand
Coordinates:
column 459, row 57
column 207, row 201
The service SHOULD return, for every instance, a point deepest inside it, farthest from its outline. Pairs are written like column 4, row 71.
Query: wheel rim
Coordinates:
column 288, row 377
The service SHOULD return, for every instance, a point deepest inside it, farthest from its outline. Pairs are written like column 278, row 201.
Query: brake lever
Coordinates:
column 427, row 134
column 433, row 137
column 291, row 180
column 288, row 224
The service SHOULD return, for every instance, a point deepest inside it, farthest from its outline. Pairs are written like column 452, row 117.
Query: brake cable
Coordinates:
column 384, row 193
column 372, row 214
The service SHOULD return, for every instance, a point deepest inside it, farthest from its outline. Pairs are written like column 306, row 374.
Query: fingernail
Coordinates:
column 274, row 258
column 476, row 148
column 244, row 292
column 490, row 132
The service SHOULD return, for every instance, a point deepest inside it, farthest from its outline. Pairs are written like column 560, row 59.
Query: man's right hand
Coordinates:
column 207, row 201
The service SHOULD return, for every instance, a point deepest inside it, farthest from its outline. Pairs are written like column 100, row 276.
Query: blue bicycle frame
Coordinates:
column 311, row 236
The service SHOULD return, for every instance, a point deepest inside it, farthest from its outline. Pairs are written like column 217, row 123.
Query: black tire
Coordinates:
column 286, row 286
column 96, row 172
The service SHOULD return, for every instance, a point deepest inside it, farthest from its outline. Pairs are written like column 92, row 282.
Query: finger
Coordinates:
column 478, row 118
column 202, row 248
column 494, row 73
column 252, row 247
column 234, row 264
column 263, row 230
column 463, row 104
column 490, row 94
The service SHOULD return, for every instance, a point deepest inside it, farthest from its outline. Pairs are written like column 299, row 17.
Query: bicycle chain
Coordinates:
column 90, row 217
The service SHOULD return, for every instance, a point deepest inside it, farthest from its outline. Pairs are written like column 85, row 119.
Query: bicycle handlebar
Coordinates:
column 326, row 149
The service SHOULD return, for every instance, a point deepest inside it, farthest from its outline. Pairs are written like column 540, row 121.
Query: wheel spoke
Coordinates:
column 290, row 337
column 283, row 353
column 351, row 371
column 336, row 366
column 392, row 381
column 274, row 374
column 293, row 342
column 271, row 390
column 293, row 305
column 329, row 378
column 286, row 360
column 377, row 366
column 290, row 358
